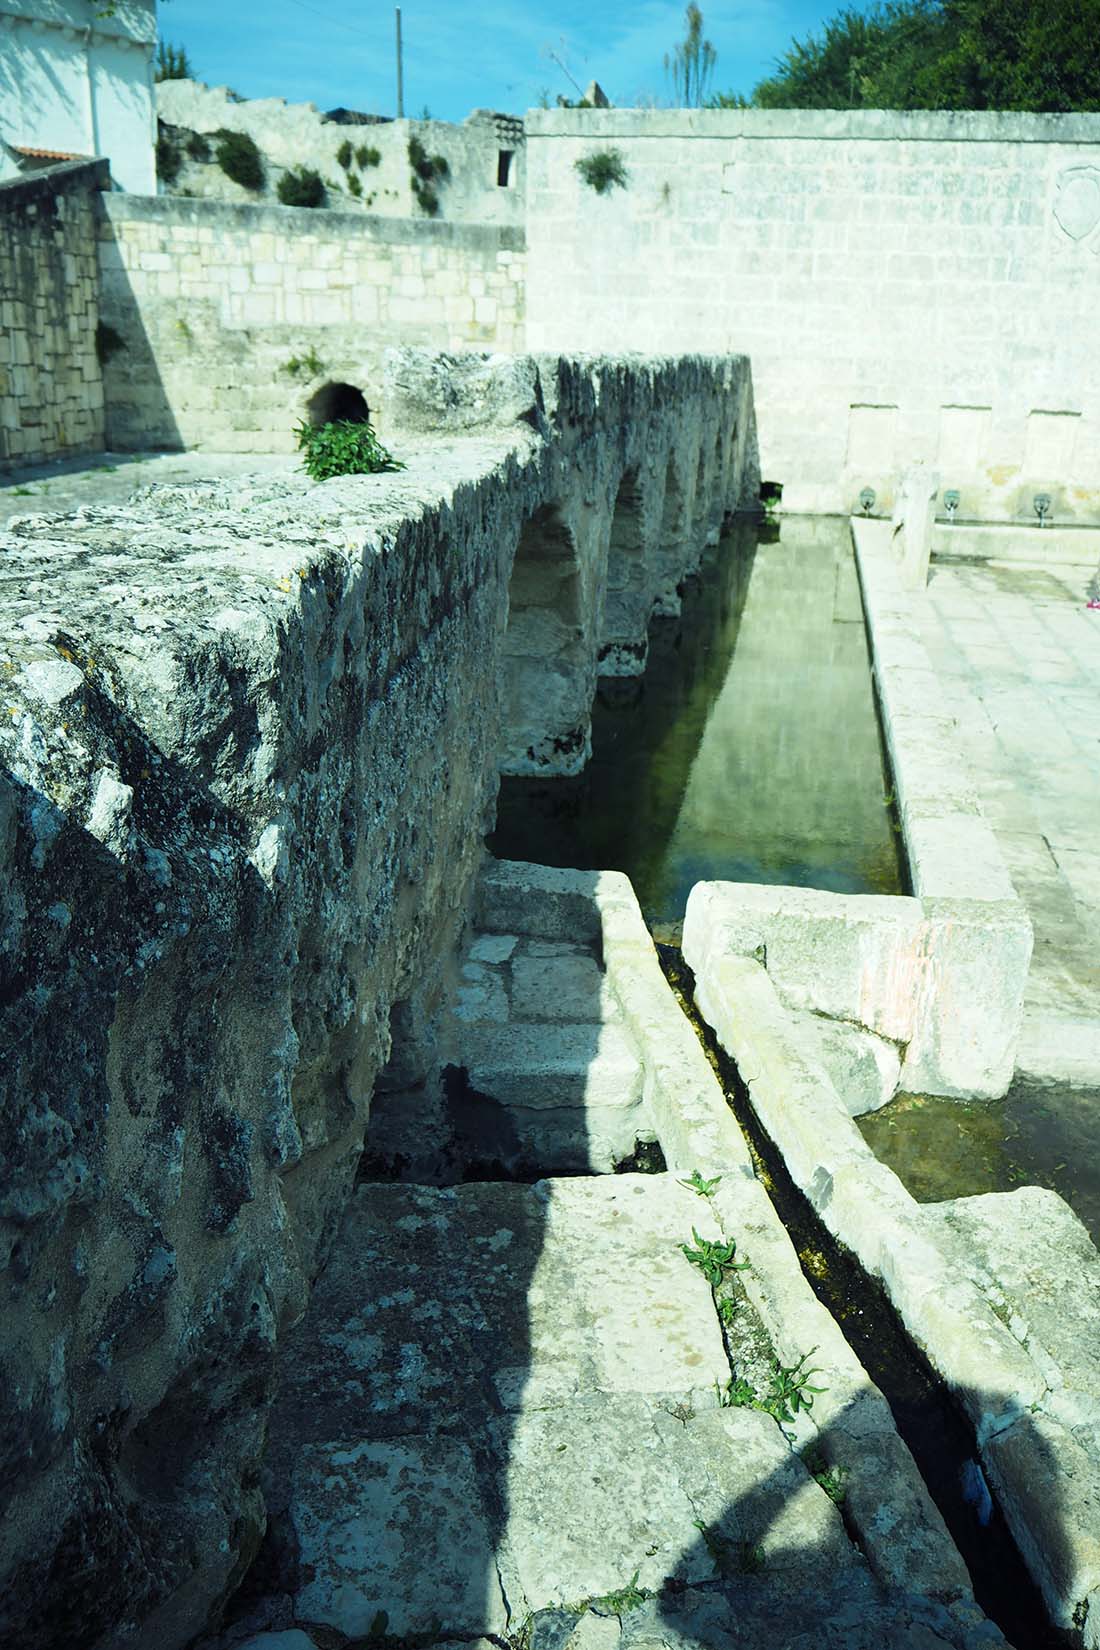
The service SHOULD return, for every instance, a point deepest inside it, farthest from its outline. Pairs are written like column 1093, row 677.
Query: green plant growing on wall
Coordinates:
column 301, row 187
column 240, row 159
column 344, row 154
column 108, row 342
column 603, row 170
column 342, row 448
column 427, row 172
column 169, row 160
column 197, row 147
column 309, row 364
column 366, row 156
column 355, row 185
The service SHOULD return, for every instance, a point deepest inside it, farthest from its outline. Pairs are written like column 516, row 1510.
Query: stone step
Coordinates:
column 573, row 1093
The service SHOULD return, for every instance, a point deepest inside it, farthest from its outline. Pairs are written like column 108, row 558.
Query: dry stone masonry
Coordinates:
column 51, row 388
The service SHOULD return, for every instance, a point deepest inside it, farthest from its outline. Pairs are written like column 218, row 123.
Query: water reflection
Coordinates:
column 750, row 749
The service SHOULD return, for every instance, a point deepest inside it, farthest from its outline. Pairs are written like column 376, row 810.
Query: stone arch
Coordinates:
column 546, row 689
column 624, row 640
column 334, row 403
column 699, row 497
column 672, row 512
column 670, row 545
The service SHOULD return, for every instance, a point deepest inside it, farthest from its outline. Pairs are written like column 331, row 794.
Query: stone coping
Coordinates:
column 950, row 845
column 818, row 125
column 54, row 180
column 320, row 221
column 1017, row 1404
column 698, row 1131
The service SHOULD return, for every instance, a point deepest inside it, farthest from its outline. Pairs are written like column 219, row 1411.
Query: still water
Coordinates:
column 1038, row 1135
column 750, row 749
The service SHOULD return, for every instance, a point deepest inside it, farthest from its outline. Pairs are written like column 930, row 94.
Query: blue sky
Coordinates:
column 459, row 57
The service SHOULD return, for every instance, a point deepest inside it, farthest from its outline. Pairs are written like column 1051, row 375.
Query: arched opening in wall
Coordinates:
column 504, row 167
column 337, row 403
column 672, row 513
column 545, row 689
column 623, row 643
column 699, row 502
column 625, row 553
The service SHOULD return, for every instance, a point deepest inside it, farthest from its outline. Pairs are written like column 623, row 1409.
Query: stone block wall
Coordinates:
column 908, row 286
column 252, row 735
column 51, row 388
column 215, row 303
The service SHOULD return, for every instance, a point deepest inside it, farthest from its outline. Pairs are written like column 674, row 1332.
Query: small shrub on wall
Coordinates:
column 303, row 187
column 427, row 171
column 169, row 161
column 603, row 170
column 366, row 156
column 343, row 448
column 239, row 159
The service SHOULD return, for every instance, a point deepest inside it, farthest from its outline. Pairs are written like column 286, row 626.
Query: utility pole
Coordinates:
column 400, row 72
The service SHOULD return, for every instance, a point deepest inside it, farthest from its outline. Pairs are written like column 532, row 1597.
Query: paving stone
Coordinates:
column 646, row 1481
column 398, row 1528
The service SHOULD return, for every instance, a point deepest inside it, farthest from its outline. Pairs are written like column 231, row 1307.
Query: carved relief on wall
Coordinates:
column 1077, row 205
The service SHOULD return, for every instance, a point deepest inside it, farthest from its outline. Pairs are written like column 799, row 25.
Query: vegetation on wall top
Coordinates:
column 172, row 63
column 343, row 448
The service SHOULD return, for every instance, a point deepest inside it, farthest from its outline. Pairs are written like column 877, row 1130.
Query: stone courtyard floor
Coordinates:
column 1018, row 655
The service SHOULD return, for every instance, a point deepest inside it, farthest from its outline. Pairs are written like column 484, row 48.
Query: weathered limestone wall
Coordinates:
column 907, row 286
column 294, row 135
column 251, row 741
column 51, row 388
column 216, row 302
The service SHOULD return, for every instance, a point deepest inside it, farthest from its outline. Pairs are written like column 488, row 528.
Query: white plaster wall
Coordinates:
column 907, row 286
column 292, row 135
column 75, row 81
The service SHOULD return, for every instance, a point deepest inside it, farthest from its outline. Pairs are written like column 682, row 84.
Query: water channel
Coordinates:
column 750, row 749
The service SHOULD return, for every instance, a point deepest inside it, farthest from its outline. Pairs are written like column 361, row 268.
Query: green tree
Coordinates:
column 173, row 63
column 942, row 54
column 690, row 65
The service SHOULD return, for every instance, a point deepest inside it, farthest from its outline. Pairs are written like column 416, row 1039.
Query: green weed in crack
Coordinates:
column 789, row 1395
column 696, row 1183
column 731, row 1558
column 715, row 1260
column 833, row 1480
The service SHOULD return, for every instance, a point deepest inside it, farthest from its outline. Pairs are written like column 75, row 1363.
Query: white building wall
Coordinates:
column 73, row 81
column 907, row 286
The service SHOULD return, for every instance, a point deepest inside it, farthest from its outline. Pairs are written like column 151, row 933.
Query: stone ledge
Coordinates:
column 1046, row 1479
